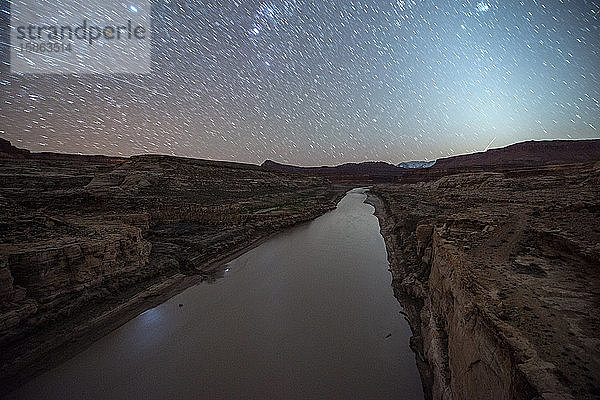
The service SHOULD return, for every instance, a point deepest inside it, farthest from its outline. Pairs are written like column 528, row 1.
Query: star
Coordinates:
column 483, row 6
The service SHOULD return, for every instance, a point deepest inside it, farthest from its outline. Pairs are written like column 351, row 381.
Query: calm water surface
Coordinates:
column 304, row 315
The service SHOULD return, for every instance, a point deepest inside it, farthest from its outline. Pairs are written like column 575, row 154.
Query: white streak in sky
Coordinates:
column 489, row 144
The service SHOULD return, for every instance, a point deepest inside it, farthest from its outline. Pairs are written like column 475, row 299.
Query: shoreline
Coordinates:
column 52, row 349
column 410, row 313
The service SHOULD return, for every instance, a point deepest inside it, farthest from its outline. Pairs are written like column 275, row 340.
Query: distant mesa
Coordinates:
column 416, row 164
column 8, row 150
column 533, row 153
column 519, row 156
column 363, row 168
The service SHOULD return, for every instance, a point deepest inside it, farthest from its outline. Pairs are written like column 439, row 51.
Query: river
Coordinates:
column 309, row 313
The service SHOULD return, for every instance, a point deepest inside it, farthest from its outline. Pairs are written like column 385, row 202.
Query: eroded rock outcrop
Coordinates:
column 499, row 274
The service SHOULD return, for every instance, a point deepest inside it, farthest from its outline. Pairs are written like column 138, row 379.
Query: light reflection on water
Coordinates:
column 306, row 314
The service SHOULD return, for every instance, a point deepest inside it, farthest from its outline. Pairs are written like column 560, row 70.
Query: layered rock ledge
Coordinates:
column 88, row 242
column 499, row 274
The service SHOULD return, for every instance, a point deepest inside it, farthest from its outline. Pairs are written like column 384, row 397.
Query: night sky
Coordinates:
column 326, row 82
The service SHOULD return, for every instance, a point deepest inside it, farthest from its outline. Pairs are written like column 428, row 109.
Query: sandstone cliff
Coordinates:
column 499, row 274
column 82, row 237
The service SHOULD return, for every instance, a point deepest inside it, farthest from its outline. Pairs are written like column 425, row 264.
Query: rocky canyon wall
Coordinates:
column 499, row 275
column 81, row 237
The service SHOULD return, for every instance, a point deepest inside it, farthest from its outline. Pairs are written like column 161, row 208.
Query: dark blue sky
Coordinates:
column 326, row 82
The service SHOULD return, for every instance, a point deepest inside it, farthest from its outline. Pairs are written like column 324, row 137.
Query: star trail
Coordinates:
column 325, row 82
